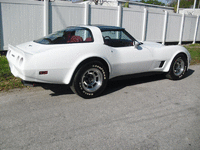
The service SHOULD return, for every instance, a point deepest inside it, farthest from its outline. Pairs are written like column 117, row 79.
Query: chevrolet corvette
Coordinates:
column 86, row 57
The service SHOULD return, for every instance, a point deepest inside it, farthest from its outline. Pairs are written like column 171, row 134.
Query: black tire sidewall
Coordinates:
column 173, row 76
column 77, row 85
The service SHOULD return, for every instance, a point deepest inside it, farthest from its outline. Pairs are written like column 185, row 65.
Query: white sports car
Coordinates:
column 85, row 57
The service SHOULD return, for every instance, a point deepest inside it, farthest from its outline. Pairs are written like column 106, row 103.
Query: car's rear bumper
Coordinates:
column 17, row 59
column 24, row 65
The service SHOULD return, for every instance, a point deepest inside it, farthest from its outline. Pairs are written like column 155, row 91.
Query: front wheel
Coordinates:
column 90, row 80
column 178, row 68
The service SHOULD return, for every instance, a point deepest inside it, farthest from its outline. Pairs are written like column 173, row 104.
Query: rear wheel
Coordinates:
column 90, row 80
column 178, row 68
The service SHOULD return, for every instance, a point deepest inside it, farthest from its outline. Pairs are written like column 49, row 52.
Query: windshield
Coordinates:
column 69, row 35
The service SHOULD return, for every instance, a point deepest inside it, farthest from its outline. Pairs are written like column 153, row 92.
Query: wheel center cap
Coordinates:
column 90, row 79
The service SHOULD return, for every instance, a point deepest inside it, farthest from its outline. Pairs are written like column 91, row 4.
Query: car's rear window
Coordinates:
column 67, row 36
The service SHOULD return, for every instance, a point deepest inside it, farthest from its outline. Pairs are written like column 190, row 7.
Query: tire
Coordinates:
column 178, row 68
column 90, row 80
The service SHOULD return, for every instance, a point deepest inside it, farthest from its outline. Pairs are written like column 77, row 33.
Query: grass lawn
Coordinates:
column 8, row 81
column 194, row 50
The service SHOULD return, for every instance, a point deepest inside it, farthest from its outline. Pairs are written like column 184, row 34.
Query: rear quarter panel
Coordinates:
column 61, row 61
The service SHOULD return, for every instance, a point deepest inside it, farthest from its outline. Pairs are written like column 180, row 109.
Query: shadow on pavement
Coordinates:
column 116, row 85
column 58, row 89
column 189, row 73
column 113, row 85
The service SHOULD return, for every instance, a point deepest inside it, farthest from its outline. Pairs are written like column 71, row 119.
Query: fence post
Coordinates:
column 181, row 30
column 119, row 16
column 86, row 17
column 46, row 17
column 177, row 11
column 196, row 29
column 144, row 25
column 165, row 27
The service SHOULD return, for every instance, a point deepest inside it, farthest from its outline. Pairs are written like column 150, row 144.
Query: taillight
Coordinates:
column 43, row 72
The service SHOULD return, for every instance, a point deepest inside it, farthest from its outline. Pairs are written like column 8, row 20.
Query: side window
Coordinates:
column 85, row 35
column 117, row 38
column 115, row 35
column 79, row 36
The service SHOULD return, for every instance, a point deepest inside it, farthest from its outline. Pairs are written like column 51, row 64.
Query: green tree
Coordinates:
column 154, row 2
column 126, row 5
column 183, row 4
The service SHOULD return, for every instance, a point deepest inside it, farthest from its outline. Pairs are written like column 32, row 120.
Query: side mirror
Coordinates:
column 136, row 44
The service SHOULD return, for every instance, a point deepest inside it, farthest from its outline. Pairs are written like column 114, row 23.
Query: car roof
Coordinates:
column 103, row 27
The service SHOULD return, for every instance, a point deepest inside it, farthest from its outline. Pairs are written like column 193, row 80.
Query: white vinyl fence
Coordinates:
column 22, row 21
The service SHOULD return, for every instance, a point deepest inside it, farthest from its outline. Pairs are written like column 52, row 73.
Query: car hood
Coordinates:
column 151, row 45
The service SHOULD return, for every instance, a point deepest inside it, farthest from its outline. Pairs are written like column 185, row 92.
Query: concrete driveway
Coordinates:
column 149, row 113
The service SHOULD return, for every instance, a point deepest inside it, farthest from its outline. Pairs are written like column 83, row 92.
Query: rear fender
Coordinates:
column 79, row 63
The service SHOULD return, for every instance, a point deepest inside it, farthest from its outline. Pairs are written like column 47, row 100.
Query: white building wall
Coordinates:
column 132, row 21
column 64, row 14
column 190, row 11
column 155, row 22
column 173, row 27
column 22, row 21
column 189, row 27
column 198, row 32
column 103, row 15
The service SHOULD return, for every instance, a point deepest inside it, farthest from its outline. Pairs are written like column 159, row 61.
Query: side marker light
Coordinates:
column 43, row 72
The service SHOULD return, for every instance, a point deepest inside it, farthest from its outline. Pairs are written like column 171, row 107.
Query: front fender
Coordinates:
column 174, row 51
